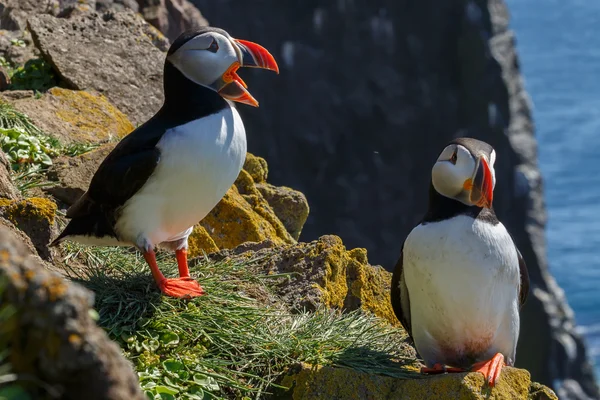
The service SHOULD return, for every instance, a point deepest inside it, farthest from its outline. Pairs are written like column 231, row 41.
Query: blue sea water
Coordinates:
column 559, row 47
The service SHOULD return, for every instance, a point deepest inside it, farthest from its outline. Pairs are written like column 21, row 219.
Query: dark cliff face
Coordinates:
column 368, row 95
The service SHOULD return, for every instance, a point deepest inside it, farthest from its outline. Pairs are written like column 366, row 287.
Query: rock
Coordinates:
column 4, row 79
column 257, row 168
column 322, row 272
column 117, row 5
column 289, row 205
column 200, row 242
column 171, row 17
column 362, row 144
column 51, row 335
column 74, row 174
column 19, row 234
column 243, row 215
column 7, row 187
column 312, row 383
column 14, row 13
column 75, row 116
column 33, row 216
column 109, row 53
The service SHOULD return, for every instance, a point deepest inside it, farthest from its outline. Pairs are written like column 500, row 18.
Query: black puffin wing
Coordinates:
column 122, row 173
column 399, row 295
column 524, row 290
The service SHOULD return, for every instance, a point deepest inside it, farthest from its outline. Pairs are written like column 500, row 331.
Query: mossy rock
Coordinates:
column 322, row 272
column 200, row 242
column 246, row 215
column 35, row 217
column 257, row 168
column 315, row 383
column 241, row 218
column 74, row 116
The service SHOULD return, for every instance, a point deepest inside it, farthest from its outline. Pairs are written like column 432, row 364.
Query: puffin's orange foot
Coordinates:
column 440, row 369
column 181, row 287
column 490, row 369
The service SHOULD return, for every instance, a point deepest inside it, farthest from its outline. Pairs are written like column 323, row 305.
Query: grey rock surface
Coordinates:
column 111, row 53
column 7, row 188
column 368, row 95
column 171, row 17
column 57, row 342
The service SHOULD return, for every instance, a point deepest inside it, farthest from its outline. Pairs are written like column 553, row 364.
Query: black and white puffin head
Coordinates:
column 210, row 57
column 464, row 171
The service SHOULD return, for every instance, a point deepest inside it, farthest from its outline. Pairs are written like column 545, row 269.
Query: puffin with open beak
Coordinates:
column 460, row 281
column 170, row 172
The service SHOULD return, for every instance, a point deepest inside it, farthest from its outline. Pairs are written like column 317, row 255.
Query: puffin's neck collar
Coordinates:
column 187, row 101
column 441, row 208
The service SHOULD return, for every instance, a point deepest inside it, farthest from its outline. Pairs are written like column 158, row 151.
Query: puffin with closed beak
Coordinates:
column 170, row 172
column 460, row 281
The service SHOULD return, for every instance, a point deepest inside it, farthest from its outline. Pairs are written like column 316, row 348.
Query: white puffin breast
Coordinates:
column 463, row 280
column 199, row 162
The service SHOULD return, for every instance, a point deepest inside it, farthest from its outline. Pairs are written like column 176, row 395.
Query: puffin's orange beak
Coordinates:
column 250, row 55
column 482, row 192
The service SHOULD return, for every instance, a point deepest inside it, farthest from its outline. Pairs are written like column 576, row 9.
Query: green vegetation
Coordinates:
column 228, row 343
column 35, row 75
column 24, row 148
column 29, row 150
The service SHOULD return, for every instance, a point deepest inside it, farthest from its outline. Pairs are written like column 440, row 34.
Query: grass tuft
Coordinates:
column 225, row 344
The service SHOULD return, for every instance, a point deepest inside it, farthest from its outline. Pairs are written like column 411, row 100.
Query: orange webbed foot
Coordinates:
column 181, row 287
column 490, row 369
column 440, row 369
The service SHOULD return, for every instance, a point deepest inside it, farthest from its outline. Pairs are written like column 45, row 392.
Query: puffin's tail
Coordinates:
column 70, row 229
column 86, row 225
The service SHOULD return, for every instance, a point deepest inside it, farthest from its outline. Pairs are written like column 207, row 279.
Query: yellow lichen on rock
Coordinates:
column 313, row 383
column 234, row 221
column 200, row 242
column 257, row 168
column 243, row 215
column 73, row 116
column 352, row 283
column 35, row 207
column 91, row 111
column 34, row 217
column 370, row 286
column 322, row 272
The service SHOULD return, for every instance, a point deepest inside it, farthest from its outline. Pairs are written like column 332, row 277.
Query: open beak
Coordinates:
column 231, row 86
column 482, row 192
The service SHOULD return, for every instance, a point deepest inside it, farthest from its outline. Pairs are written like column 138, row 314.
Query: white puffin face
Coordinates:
column 211, row 58
column 205, row 58
column 460, row 175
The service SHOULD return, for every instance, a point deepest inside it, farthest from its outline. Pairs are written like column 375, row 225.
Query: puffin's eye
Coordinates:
column 453, row 158
column 214, row 47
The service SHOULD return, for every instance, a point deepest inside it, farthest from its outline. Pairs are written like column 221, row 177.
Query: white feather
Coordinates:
column 463, row 280
column 199, row 162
